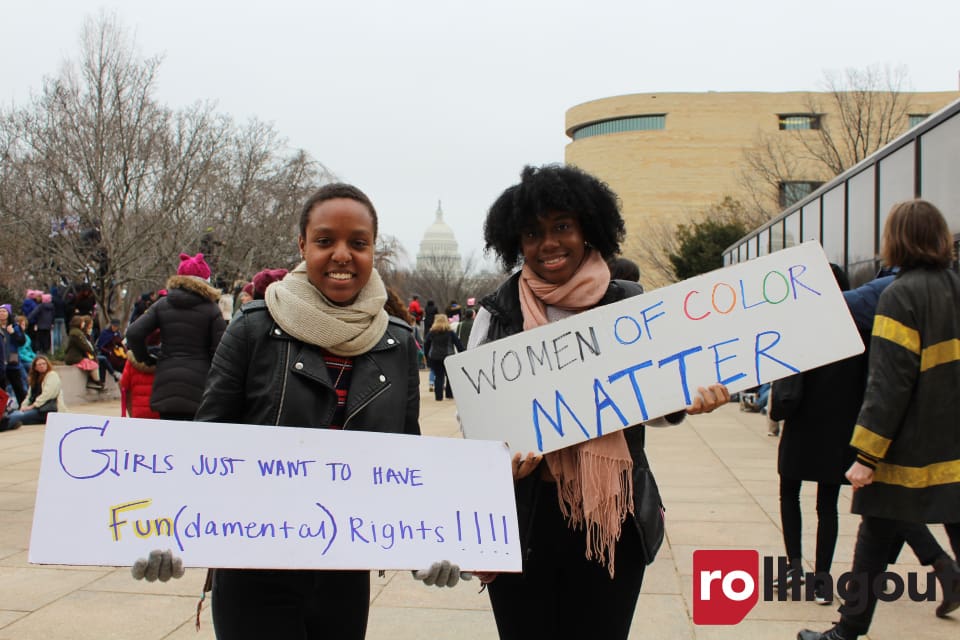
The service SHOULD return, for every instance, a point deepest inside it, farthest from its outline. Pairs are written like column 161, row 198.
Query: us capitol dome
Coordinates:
column 438, row 249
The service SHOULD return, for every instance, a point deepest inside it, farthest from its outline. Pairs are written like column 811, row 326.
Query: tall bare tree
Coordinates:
column 443, row 279
column 860, row 110
column 249, row 204
column 101, row 184
column 96, row 169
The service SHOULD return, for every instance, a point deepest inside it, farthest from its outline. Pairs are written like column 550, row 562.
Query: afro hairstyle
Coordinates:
column 546, row 189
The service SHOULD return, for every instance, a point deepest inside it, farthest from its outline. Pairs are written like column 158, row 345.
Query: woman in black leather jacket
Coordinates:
column 585, row 549
column 318, row 352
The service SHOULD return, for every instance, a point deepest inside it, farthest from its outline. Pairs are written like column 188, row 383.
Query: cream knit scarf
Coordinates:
column 305, row 313
column 594, row 478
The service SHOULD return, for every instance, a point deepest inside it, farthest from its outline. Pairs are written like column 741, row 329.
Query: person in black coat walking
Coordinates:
column 191, row 326
column 440, row 342
column 819, row 408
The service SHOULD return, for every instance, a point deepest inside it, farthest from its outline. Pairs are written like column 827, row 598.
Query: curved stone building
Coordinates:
column 670, row 155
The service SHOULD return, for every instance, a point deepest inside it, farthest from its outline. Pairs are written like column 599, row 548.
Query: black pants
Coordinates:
column 560, row 593
column 15, row 380
column 921, row 541
column 43, row 341
column 876, row 538
column 440, row 381
column 250, row 604
column 791, row 521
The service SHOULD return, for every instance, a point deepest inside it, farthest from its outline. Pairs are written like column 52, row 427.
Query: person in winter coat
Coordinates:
column 42, row 318
column 429, row 313
column 45, row 396
column 136, row 387
column 862, row 303
column 453, row 311
column 584, row 545
column 111, row 352
column 25, row 353
column 191, row 326
column 13, row 338
column 58, row 333
column 440, row 342
column 815, row 447
column 29, row 305
column 355, row 368
column 907, row 435
column 465, row 326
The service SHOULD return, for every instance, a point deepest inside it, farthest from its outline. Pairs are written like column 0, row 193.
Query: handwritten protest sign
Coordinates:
column 225, row 495
column 622, row 364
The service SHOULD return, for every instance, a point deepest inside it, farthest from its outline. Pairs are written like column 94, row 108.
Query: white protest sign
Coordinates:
column 622, row 364
column 227, row 495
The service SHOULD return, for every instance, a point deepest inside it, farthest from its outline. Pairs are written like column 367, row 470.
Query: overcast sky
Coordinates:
column 427, row 100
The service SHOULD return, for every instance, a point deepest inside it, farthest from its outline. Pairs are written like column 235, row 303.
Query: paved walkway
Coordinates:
column 717, row 474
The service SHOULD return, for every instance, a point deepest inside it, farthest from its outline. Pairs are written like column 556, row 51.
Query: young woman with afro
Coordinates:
column 584, row 554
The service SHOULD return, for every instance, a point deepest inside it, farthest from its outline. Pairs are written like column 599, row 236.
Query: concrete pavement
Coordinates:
column 717, row 474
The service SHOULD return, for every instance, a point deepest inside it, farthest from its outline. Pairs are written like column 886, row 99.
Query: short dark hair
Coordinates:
column 624, row 269
column 554, row 188
column 330, row 192
column 916, row 235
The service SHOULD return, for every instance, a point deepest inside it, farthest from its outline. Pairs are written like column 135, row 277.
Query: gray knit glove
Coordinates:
column 442, row 574
column 161, row 565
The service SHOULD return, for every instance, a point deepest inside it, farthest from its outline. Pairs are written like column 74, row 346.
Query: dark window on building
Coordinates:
column 799, row 121
column 917, row 118
column 795, row 190
column 622, row 125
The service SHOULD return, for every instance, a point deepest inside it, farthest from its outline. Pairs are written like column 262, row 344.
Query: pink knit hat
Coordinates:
column 195, row 266
column 46, row 297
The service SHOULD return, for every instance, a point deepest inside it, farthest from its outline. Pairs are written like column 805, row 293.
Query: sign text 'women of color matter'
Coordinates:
column 622, row 364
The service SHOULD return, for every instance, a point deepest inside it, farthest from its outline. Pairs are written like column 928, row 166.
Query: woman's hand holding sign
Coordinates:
column 709, row 398
column 522, row 467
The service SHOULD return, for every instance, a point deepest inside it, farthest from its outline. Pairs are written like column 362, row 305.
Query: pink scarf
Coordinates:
column 594, row 478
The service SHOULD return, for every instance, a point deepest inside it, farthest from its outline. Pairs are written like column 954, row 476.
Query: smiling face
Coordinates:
column 338, row 247
column 554, row 246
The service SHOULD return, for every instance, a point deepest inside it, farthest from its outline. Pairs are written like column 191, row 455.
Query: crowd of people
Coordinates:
column 590, row 515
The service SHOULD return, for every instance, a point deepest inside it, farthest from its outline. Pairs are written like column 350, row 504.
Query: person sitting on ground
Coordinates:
column 80, row 351
column 45, row 396
column 111, row 354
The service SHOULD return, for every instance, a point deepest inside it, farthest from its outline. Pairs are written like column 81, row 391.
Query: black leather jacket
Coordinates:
column 507, row 319
column 262, row 375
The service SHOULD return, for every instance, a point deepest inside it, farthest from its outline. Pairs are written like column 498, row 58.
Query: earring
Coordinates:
column 586, row 244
